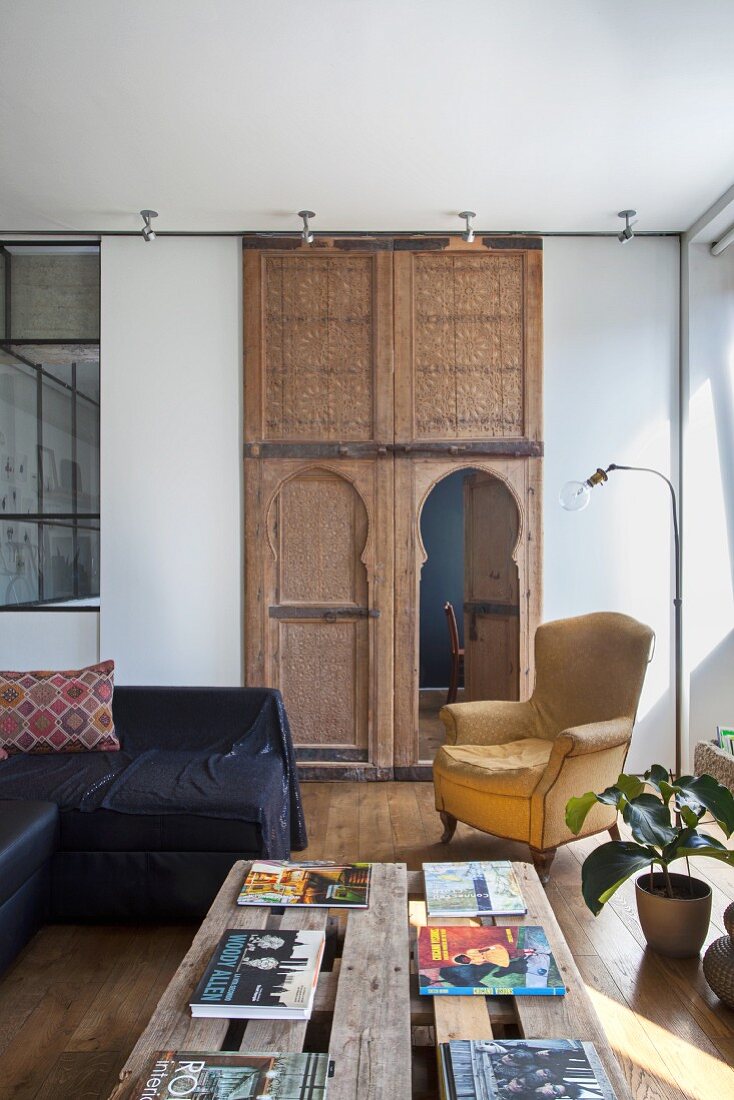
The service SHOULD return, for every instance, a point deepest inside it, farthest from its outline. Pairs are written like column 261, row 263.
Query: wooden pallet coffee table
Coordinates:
column 368, row 1012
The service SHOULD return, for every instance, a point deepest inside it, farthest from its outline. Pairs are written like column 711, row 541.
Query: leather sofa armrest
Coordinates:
column 488, row 723
column 593, row 737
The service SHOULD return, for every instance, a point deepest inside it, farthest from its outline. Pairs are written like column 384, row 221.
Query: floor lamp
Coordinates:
column 574, row 496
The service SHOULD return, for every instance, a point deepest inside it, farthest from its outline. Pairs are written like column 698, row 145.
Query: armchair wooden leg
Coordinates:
column 542, row 862
column 449, row 825
column 614, row 832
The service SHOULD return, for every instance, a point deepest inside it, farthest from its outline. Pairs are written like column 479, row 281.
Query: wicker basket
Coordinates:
column 710, row 759
column 718, row 962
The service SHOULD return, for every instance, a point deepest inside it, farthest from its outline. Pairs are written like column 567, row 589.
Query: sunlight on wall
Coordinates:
column 709, row 599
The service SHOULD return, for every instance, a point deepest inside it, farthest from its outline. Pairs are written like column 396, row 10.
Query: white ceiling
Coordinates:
column 378, row 114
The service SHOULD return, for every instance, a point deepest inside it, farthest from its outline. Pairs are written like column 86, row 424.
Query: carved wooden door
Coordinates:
column 491, row 590
column 468, row 372
column 319, row 498
column 372, row 368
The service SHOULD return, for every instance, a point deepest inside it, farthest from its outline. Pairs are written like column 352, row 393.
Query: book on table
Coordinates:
column 324, row 885
column 261, row 974
column 469, row 960
column 474, row 889
column 496, row 1069
column 225, row 1075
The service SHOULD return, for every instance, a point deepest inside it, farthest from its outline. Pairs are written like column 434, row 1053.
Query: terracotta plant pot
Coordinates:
column 674, row 926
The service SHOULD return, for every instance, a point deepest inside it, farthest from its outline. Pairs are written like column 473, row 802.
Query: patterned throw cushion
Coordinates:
column 58, row 711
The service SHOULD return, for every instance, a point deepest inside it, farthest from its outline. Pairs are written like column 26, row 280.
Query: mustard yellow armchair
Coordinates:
column 510, row 768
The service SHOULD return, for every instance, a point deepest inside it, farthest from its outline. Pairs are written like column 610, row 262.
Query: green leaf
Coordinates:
column 704, row 790
column 649, row 820
column 657, row 775
column 608, row 867
column 577, row 809
column 700, row 844
column 659, row 778
column 630, row 785
column 690, row 817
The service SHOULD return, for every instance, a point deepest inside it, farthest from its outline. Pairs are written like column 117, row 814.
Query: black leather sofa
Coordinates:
column 28, row 839
column 205, row 776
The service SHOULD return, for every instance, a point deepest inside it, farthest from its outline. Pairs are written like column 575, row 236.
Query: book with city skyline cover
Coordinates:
column 324, row 885
column 261, row 974
column 226, row 1075
column 470, row 960
column 512, row 1069
column 473, row 889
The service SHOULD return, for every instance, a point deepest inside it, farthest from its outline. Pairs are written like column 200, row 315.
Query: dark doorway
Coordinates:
column 469, row 527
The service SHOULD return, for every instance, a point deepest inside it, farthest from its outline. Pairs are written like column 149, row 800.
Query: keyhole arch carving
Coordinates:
column 468, row 468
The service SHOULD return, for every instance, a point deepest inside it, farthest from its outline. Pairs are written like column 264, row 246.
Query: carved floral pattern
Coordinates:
column 318, row 347
column 468, row 346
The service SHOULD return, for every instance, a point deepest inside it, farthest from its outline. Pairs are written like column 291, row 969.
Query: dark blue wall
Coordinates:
column 442, row 579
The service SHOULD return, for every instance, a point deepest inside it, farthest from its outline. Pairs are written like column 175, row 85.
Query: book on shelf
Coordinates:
column 477, row 961
column 497, row 1069
column 725, row 739
column 261, row 974
column 474, row 889
column 324, row 885
column 224, row 1075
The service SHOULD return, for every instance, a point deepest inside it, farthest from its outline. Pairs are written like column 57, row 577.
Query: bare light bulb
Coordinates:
column 575, row 496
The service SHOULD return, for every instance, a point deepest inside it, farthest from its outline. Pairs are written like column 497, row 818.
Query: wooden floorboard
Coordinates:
column 76, row 1000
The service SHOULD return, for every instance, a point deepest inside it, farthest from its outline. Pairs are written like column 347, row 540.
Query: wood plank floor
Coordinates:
column 76, row 999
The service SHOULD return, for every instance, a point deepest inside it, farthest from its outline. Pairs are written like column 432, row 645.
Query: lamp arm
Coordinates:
column 674, row 504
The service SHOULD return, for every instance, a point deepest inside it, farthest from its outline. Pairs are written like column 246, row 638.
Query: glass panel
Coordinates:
column 2, row 292
column 68, row 568
column 18, row 563
column 87, row 456
column 18, row 481
column 49, row 427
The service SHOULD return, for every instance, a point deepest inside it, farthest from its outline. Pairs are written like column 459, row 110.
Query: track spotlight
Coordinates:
column 306, row 233
column 148, row 231
column 626, row 234
column 468, row 234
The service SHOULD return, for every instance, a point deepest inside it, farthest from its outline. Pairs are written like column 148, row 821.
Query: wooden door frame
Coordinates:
column 414, row 479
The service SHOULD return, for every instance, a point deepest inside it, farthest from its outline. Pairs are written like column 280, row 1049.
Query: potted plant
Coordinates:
column 663, row 815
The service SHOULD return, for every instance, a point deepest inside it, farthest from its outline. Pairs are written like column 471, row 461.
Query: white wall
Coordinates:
column 171, row 600
column 48, row 639
column 171, row 553
column 709, row 493
column 611, row 347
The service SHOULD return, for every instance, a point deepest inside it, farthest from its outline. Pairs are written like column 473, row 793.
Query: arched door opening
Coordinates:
column 469, row 527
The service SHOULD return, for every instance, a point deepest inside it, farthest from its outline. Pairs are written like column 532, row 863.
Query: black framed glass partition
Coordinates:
column 49, row 425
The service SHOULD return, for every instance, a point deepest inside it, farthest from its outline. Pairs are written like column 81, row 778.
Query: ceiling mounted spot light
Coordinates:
column 306, row 233
column 626, row 234
column 148, row 231
column 468, row 234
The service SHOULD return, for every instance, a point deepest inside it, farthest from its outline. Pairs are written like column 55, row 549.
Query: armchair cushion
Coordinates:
column 514, row 768
column 488, row 723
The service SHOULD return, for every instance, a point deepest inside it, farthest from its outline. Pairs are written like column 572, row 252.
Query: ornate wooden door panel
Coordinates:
column 319, row 602
column 318, row 349
column 468, row 346
column 491, row 589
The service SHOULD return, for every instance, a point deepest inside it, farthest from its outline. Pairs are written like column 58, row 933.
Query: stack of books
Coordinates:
column 270, row 974
column 725, row 739
column 474, row 960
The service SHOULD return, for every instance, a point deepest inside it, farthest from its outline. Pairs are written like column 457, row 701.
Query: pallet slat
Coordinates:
column 370, row 1035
